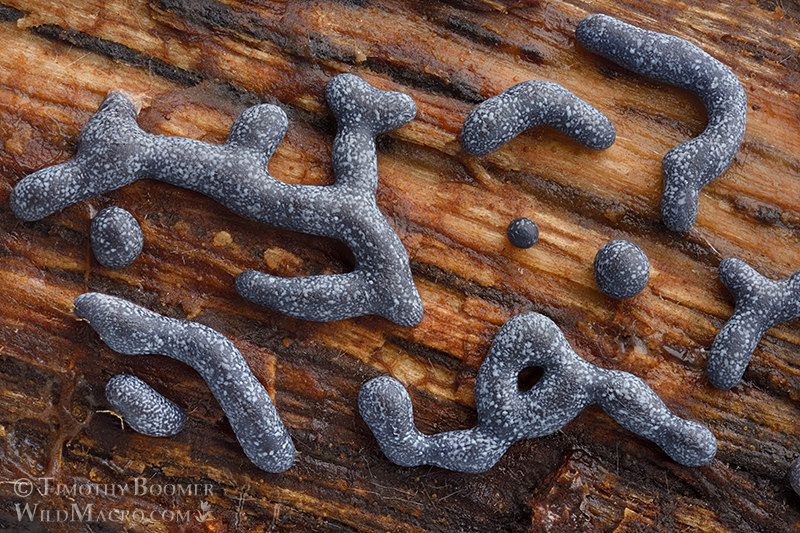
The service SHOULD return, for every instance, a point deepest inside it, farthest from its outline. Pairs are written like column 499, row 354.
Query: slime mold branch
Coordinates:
column 534, row 103
column 133, row 330
column 114, row 152
column 688, row 167
column 760, row 304
column 506, row 415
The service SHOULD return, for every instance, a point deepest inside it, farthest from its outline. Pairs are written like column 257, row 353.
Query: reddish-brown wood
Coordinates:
column 196, row 64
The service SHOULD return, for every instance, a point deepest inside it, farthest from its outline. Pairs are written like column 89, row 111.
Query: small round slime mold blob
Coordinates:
column 143, row 408
column 522, row 232
column 621, row 269
column 116, row 237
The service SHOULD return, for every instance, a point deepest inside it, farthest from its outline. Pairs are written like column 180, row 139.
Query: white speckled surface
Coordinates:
column 534, row 103
column 132, row 330
column 688, row 167
column 760, row 304
column 114, row 152
column 506, row 415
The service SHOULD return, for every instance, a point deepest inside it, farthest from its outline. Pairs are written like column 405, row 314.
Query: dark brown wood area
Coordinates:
column 196, row 64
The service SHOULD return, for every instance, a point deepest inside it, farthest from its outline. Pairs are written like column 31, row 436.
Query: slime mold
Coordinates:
column 130, row 329
column 114, row 152
column 116, row 237
column 143, row 408
column 506, row 415
column 621, row 269
column 794, row 476
column 760, row 304
column 688, row 167
column 499, row 119
column 522, row 232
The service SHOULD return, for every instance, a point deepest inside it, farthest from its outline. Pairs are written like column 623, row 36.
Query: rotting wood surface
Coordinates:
column 196, row 64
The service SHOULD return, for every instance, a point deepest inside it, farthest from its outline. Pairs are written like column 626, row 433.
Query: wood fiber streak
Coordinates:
column 194, row 65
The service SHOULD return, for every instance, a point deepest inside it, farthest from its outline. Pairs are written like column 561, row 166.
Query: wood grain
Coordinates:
column 196, row 64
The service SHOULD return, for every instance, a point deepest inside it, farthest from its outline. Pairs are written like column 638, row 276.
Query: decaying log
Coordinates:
column 196, row 64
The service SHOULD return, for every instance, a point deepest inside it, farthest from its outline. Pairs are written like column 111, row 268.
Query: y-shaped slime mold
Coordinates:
column 506, row 415
column 760, row 304
column 688, row 167
column 114, row 152
column 143, row 408
column 130, row 329
column 534, row 103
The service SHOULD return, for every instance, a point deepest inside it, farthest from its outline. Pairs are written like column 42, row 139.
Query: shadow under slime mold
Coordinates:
column 113, row 152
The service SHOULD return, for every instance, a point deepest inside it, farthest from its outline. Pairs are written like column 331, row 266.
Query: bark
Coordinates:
column 194, row 65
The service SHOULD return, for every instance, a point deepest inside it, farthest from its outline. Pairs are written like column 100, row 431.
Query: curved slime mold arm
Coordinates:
column 133, row 330
column 506, row 415
column 114, row 152
column 688, row 167
column 499, row 119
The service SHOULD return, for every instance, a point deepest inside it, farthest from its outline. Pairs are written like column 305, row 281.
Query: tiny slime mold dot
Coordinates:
column 522, row 232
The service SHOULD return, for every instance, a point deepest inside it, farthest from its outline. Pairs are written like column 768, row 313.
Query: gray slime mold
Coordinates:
column 760, row 304
column 794, row 476
column 114, row 152
column 130, row 329
column 143, row 408
column 506, row 415
column 534, row 103
column 688, row 167
column 116, row 237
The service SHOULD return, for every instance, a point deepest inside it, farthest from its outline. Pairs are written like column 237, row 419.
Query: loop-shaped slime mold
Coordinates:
column 499, row 119
column 133, row 330
column 143, row 408
column 116, row 237
column 688, row 167
column 114, row 152
column 506, row 415
column 760, row 304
